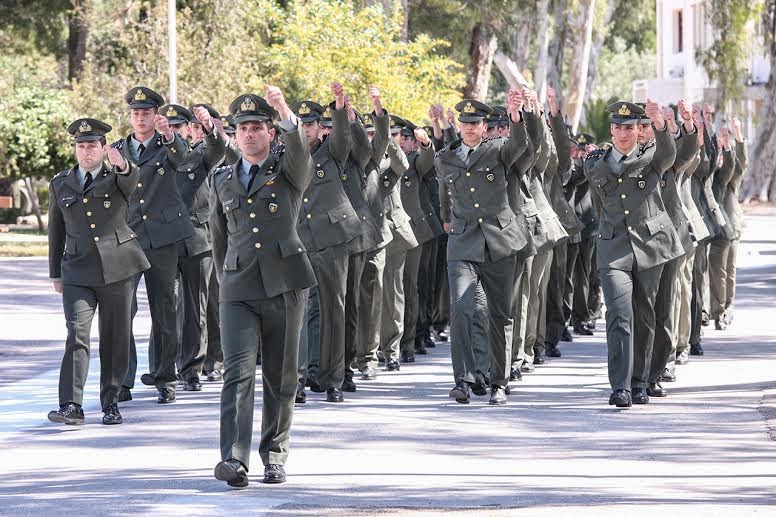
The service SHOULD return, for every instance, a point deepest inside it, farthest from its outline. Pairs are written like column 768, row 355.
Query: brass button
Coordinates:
column 89, row 213
column 139, row 185
column 468, row 173
column 309, row 216
column 145, row 217
column 250, row 201
column 96, row 239
column 619, row 180
column 627, row 212
column 306, row 200
column 106, row 195
column 273, row 194
column 93, row 225
column 255, row 230
column 480, row 219
column 86, row 200
column 661, row 226
column 364, row 218
column 142, row 201
column 630, row 228
column 344, row 216
column 299, row 250
column 252, row 216
column 472, row 189
column 623, row 196
column 476, row 205
column 258, row 245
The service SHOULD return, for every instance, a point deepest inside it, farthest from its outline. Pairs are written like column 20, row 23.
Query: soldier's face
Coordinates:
column 197, row 133
column 407, row 143
column 472, row 132
column 181, row 129
column 646, row 134
column 492, row 132
column 503, row 131
column 312, row 131
column 253, row 138
column 370, row 134
column 624, row 136
column 142, row 121
column 89, row 154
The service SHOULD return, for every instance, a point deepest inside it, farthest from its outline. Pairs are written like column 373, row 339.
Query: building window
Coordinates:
column 678, row 32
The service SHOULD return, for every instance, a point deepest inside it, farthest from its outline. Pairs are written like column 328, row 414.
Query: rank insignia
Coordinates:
column 191, row 176
column 321, row 173
column 642, row 184
column 407, row 183
column 273, row 207
column 662, row 183
column 344, row 177
column 386, row 184
column 160, row 171
column 106, row 204
column 270, row 183
column 490, row 177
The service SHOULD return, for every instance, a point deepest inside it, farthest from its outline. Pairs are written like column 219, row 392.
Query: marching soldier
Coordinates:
column 160, row 220
column 93, row 258
column 264, row 271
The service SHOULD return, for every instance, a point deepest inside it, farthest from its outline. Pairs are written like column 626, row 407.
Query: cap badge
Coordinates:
column 327, row 113
column 84, row 127
column 582, row 139
column 248, row 105
column 106, row 204
column 140, row 96
column 304, row 109
column 469, row 108
column 624, row 110
column 171, row 113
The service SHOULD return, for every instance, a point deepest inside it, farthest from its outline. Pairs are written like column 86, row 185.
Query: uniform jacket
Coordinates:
column 700, row 232
column 558, row 166
column 635, row 231
column 90, row 242
column 421, row 163
column 687, row 148
column 256, row 248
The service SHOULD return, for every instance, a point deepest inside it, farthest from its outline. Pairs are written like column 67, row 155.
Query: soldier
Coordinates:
column 195, row 258
column 264, row 270
column 635, row 238
column 484, row 238
column 158, row 217
column 732, row 207
column 93, row 258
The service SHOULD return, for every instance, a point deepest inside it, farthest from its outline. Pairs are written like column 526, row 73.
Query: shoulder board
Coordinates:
column 279, row 148
column 159, row 140
column 646, row 147
column 222, row 168
column 61, row 174
column 595, row 155
column 118, row 144
column 442, row 150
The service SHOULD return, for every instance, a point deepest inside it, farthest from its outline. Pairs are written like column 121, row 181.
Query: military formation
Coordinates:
column 331, row 246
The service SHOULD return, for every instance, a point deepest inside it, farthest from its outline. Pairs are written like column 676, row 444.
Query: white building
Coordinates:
column 682, row 30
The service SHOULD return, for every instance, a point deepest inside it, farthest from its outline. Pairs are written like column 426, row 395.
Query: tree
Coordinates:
column 581, row 23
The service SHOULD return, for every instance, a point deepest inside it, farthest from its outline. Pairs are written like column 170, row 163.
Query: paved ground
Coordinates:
column 399, row 445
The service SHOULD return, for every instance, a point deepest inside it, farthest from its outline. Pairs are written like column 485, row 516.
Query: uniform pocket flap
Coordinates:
column 171, row 213
column 124, row 234
column 605, row 230
column 658, row 223
column 600, row 181
column 291, row 247
column 230, row 204
column 339, row 214
column 103, row 189
column 457, row 226
column 230, row 261
column 67, row 201
column 203, row 214
column 505, row 218
column 399, row 217
column 70, row 248
column 450, row 178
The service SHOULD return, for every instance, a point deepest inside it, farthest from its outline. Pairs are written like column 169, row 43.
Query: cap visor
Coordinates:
column 469, row 118
column 626, row 121
column 241, row 119
column 142, row 105
column 88, row 138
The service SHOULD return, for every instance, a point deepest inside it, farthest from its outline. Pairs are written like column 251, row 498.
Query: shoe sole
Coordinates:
column 497, row 402
column 165, row 401
column 641, row 402
column 223, row 472
column 368, row 377
column 273, row 481
column 335, row 401
column 658, row 396
column 192, row 388
column 116, row 422
column 58, row 419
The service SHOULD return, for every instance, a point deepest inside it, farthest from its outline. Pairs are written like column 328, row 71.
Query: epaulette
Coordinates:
column 646, row 147
column 118, row 144
column 61, row 174
column 442, row 150
column 279, row 148
column 595, row 155
column 222, row 168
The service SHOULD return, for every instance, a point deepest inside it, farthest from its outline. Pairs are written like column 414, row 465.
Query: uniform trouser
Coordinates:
column 595, row 293
column 630, row 323
column 580, row 310
column 426, row 283
column 392, row 315
column 274, row 325
column 331, row 271
column 698, row 273
column 352, row 307
column 441, row 317
column 665, row 319
column 163, row 346
column 411, row 300
column 497, row 278
column 554, row 320
column 520, row 296
column 718, row 263
column 572, row 256
column 80, row 303
column 480, row 330
column 194, row 289
column 730, row 290
column 371, row 305
column 537, row 305
column 214, row 357
column 682, row 308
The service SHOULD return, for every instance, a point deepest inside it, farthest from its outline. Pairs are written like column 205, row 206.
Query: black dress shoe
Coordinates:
column 581, row 330
column 147, row 379
column 428, row 342
column 334, row 395
column 590, row 325
column 166, row 395
column 348, row 384
column 696, row 349
column 70, row 414
column 515, row 375
column 566, row 336
column 214, row 376
column 112, row 415
column 480, row 387
column 552, row 351
column 193, row 384
column 380, row 357
column 274, row 474
column 620, row 398
column 639, row 396
column 407, row 357
column 656, row 390
column 538, row 359
column 527, row 368
column 498, row 396
column 233, row 472
column 180, row 379
column 420, row 349
column 705, row 319
column 720, row 325
column 368, row 374
column 301, row 396
column 461, row 392
column 312, row 382
column 124, row 394
column 393, row 366
column 668, row 375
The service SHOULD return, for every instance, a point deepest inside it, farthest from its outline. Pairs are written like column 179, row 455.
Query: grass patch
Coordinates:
column 23, row 249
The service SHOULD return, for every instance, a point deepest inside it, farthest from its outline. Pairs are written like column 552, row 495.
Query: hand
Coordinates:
column 723, row 136
column 708, row 114
column 527, row 105
column 219, row 126
column 115, row 158
column 339, row 95
column 58, row 285
column 655, row 115
column 447, row 227
column 685, row 112
column 275, row 99
column 163, row 126
column 737, row 129
column 422, row 137
column 204, row 118
column 670, row 118
column 514, row 104
column 374, row 95
column 451, row 117
column 552, row 101
column 349, row 108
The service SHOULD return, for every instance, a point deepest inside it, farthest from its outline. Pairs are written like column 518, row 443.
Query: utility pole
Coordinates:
column 172, row 53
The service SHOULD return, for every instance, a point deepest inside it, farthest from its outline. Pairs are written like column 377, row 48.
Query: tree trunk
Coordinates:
column 481, row 52
column 582, row 25
column 542, row 39
column 509, row 70
column 556, row 50
column 760, row 181
column 521, row 39
column 78, row 32
column 34, row 201
column 595, row 49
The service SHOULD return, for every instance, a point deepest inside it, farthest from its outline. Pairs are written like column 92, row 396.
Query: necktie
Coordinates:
column 254, row 170
column 140, row 150
column 88, row 180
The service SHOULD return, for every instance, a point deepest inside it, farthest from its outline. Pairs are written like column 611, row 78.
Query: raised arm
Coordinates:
column 297, row 162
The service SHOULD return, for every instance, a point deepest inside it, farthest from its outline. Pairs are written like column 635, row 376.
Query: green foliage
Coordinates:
column 634, row 22
column 33, row 140
column 618, row 67
column 726, row 59
column 597, row 119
